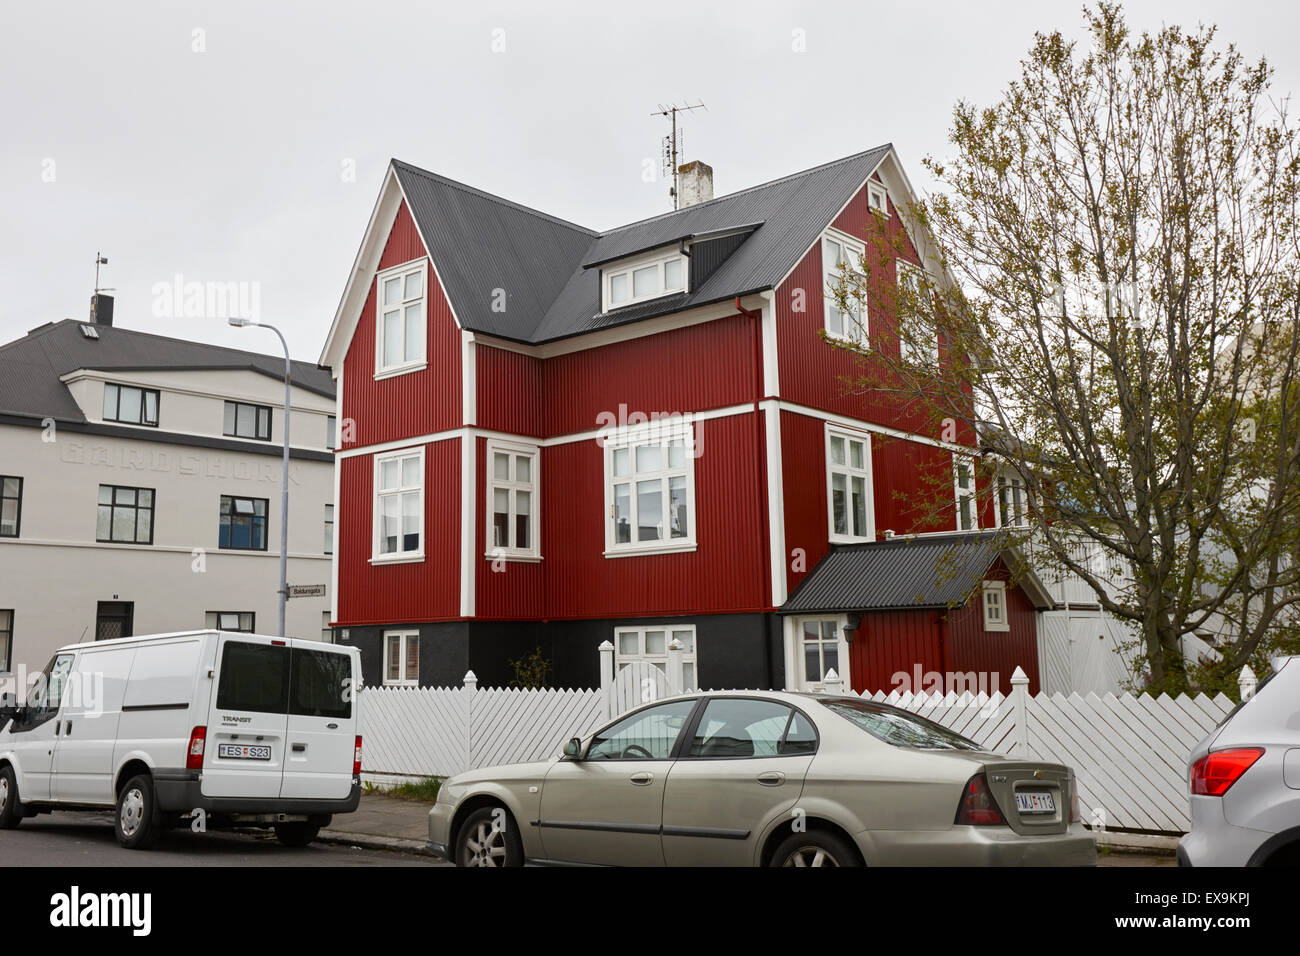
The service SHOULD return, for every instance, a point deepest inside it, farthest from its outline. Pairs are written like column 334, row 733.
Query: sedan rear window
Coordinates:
column 898, row 727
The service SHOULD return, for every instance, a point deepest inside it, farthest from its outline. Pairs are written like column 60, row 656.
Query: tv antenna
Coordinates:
column 100, row 260
column 673, row 144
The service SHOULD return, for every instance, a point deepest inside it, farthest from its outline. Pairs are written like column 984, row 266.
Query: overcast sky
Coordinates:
column 246, row 141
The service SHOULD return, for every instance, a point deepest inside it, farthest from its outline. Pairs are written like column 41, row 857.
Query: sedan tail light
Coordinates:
column 977, row 807
column 194, row 755
column 1214, row 773
column 356, row 758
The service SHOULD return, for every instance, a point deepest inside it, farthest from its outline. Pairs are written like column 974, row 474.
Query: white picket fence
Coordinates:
column 1128, row 752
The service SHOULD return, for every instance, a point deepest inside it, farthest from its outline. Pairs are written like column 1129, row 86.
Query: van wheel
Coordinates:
column 814, row 848
column 137, row 822
column 11, row 811
column 296, row 834
column 489, row 837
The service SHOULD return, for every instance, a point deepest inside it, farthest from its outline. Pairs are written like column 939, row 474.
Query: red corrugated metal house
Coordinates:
column 554, row 437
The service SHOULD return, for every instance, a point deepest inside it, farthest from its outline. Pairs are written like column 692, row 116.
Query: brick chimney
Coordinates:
column 694, row 184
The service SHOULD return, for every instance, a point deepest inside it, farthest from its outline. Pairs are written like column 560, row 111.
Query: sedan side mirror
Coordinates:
column 573, row 749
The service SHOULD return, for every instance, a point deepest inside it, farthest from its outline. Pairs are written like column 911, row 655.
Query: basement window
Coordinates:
column 647, row 277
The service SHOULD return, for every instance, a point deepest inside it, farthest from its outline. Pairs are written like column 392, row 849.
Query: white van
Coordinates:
column 232, row 729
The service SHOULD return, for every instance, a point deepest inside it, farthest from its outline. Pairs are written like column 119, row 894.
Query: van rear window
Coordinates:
column 254, row 677
column 321, row 684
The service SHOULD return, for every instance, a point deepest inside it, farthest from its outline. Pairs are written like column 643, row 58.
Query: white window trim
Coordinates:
column 627, row 266
column 533, row 452
column 957, row 494
column 401, row 663
column 880, row 189
column 901, row 268
column 399, row 557
column 401, row 368
column 1000, row 588
column 857, row 249
column 659, row 660
column 816, row 684
column 835, row 431
column 663, row 433
column 1011, row 481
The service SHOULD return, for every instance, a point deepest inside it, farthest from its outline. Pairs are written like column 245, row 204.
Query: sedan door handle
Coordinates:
column 642, row 779
column 773, row 778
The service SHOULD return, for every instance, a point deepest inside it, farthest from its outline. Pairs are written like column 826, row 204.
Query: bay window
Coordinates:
column 848, row 478
column 650, row 491
column 512, row 504
column 399, row 506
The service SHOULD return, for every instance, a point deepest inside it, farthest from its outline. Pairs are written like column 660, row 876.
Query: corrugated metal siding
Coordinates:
column 709, row 365
column 999, row 653
column 913, row 486
column 428, row 590
column 517, row 591
column 727, row 572
column 509, row 389
column 803, row 448
column 892, row 641
column 417, row 403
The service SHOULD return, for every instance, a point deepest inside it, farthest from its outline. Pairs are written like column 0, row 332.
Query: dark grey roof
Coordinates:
column 934, row 571
column 546, row 266
column 31, row 367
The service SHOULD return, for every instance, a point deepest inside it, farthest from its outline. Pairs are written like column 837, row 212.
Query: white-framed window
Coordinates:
column 848, row 486
column 646, row 277
column 1011, row 511
column 650, row 490
column 963, row 481
column 918, row 338
column 326, row 632
column 400, row 318
column 512, row 500
column 401, row 658
column 995, row 606
column 822, row 648
column 650, row 644
column 331, row 430
column 399, row 506
column 329, row 530
column 243, row 621
column 878, row 198
column 841, row 256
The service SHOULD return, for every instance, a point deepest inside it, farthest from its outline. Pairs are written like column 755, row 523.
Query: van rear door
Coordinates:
column 244, row 753
column 322, row 721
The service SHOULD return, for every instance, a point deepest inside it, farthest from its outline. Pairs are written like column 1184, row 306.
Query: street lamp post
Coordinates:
column 284, row 478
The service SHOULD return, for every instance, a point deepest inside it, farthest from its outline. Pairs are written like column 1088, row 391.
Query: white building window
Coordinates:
column 822, row 648
column 963, row 477
column 512, row 503
column 326, row 632
column 400, row 318
column 917, row 336
column 878, row 198
column 647, row 277
column 401, row 658
column 243, row 621
column 329, row 529
column 995, row 606
column 1011, row 510
column 399, row 506
column 650, row 490
column 848, row 481
column 841, row 257
column 651, row 645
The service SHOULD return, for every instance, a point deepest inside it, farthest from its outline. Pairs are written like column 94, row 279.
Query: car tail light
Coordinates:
column 1075, row 815
column 977, row 807
column 194, row 755
column 1214, row 773
column 356, row 758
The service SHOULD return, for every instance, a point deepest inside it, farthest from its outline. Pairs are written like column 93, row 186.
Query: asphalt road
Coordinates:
column 87, row 839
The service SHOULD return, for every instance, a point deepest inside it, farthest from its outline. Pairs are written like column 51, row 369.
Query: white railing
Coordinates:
column 1129, row 752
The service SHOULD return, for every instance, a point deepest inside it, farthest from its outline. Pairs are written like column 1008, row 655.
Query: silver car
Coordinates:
column 763, row 778
column 1245, row 781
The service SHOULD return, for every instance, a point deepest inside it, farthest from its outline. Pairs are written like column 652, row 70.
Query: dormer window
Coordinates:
column 647, row 277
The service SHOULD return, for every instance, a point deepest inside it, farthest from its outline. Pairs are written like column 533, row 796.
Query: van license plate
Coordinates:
column 1035, row 801
column 243, row 752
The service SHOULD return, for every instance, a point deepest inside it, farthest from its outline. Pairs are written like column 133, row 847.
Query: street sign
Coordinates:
column 306, row 590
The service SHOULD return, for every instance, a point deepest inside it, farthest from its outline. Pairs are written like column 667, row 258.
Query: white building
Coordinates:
column 140, row 488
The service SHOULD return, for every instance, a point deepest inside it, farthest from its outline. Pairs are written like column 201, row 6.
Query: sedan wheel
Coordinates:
column 489, row 838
